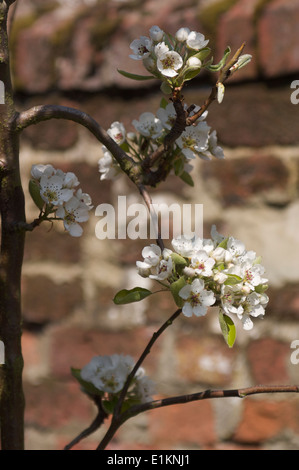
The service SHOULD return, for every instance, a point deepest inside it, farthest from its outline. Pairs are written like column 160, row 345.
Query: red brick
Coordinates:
column 278, row 38
column 263, row 420
column 186, row 424
column 284, row 302
column 235, row 27
column 204, row 359
column 75, row 347
column 53, row 405
column 45, row 301
column 268, row 360
column 241, row 179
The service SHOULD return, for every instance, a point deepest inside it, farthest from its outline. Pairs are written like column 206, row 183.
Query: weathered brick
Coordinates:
column 240, row 179
column 184, row 424
column 278, row 37
column 46, row 244
column 204, row 359
column 265, row 419
column 284, row 303
column 53, row 405
column 75, row 347
column 268, row 360
column 45, row 301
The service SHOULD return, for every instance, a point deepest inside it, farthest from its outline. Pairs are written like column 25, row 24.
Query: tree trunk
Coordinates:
column 12, row 212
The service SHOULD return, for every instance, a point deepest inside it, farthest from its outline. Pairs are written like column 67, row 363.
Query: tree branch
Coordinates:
column 42, row 113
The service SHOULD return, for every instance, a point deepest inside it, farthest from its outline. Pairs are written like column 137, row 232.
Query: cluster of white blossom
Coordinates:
column 195, row 141
column 173, row 59
column 108, row 374
column 60, row 196
column 205, row 272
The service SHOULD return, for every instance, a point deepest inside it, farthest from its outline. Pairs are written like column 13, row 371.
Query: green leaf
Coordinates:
column 163, row 103
column 187, row 178
column 261, row 289
column 179, row 262
column 223, row 244
column 178, row 166
column 87, row 386
column 228, row 329
column 34, row 190
column 133, row 295
column 175, row 288
column 134, row 76
column 220, row 65
column 191, row 73
column 232, row 280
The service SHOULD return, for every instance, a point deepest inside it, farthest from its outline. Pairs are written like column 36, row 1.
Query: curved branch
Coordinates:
column 41, row 113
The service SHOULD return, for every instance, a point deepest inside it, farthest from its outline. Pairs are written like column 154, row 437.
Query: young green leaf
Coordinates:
column 175, row 288
column 133, row 295
column 187, row 178
column 134, row 76
column 232, row 280
column 228, row 329
column 34, row 191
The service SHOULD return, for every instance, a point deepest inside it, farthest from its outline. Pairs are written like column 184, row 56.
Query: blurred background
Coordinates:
column 67, row 52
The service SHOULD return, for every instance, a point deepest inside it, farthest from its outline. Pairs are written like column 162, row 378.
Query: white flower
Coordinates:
column 196, row 41
column 108, row 167
column 117, row 132
column 161, row 49
column 53, row 191
column 213, row 146
column 108, row 373
column 70, row 180
column 202, row 263
column 167, row 116
column 163, row 270
column 37, row 171
column 169, row 63
column 156, row 34
column 197, row 298
column 148, row 125
column 194, row 140
column 156, row 264
column 72, row 212
column 145, row 388
column 141, row 48
column 182, row 34
column 253, row 306
column 193, row 63
column 187, row 247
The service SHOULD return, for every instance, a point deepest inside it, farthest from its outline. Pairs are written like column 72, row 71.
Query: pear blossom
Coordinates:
column 196, row 41
column 108, row 374
column 156, row 34
column 141, row 48
column 37, row 171
column 148, row 125
column 117, row 132
column 72, row 212
column 182, row 34
column 202, row 263
column 169, row 63
column 197, row 298
column 108, row 167
column 194, row 140
column 53, row 190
